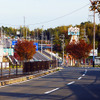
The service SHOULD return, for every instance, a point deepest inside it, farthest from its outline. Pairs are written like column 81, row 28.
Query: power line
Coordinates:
column 9, row 24
column 61, row 16
column 54, row 18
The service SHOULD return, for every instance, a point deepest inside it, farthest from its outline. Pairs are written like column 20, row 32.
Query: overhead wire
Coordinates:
column 61, row 16
column 54, row 18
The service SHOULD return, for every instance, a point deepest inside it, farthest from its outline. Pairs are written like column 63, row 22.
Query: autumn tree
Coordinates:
column 25, row 49
column 79, row 50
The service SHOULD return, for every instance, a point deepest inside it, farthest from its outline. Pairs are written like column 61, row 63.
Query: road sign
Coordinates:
column 95, row 52
column 14, row 42
column 36, row 44
column 9, row 51
column 73, row 31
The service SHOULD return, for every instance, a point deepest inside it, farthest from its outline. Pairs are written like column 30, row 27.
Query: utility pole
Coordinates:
column 94, row 41
column 51, row 45
column 46, row 39
column 37, row 36
column 41, row 39
column 1, row 36
column 26, row 33
column 24, row 21
column 95, row 7
column 63, row 45
column 25, row 30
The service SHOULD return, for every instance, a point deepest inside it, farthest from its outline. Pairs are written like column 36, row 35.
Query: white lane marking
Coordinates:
column 51, row 91
column 71, row 83
column 79, row 78
column 85, row 71
column 83, row 75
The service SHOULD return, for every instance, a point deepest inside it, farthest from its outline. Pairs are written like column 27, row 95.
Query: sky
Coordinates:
column 44, row 13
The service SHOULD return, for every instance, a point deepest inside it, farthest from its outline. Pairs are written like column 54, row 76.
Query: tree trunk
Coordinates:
column 85, row 62
column 78, row 63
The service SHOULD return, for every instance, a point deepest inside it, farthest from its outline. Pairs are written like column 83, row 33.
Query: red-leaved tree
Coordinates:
column 25, row 49
column 79, row 50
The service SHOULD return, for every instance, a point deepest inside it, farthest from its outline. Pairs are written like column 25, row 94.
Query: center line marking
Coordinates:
column 71, row 83
column 51, row 91
column 79, row 78
column 83, row 75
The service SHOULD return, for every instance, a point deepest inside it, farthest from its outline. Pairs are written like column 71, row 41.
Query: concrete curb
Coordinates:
column 25, row 78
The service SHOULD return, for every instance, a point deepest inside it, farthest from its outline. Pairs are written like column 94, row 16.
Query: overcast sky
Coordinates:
column 44, row 12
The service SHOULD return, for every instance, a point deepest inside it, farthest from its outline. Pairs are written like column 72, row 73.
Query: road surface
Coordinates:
column 71, row 83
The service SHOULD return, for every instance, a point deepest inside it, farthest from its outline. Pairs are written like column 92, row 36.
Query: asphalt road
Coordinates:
column 71, row 83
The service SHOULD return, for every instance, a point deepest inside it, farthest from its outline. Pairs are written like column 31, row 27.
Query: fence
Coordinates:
column 6, row 69
column 28, row 68
column 4, row 65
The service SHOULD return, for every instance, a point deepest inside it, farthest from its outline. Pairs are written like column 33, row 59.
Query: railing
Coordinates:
column 26, row 68
column 30, row 67
column 7, row 70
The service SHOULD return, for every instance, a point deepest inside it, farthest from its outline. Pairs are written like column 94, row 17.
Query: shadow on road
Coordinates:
column 88, row 88
column 28, row 96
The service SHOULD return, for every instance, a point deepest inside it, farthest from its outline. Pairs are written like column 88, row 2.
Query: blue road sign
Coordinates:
column 36, row 44
column 14, row 42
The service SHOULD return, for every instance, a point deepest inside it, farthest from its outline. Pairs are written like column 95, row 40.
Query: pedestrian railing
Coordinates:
column 25, row 69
